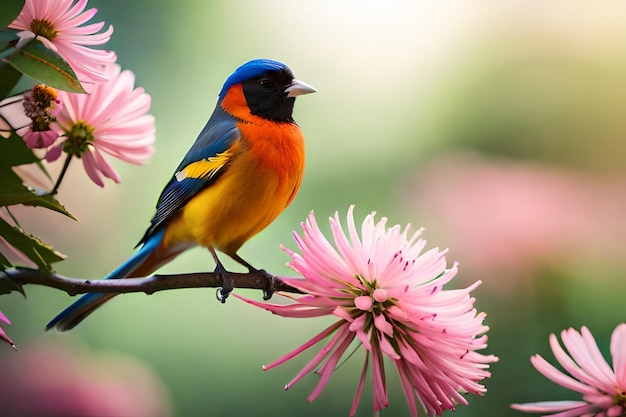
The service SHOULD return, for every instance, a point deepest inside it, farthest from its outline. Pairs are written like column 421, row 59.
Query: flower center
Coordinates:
column 37, row 103
column 42, row 27
column 379, row 301
column 78, row 139
column 44, row 96
column 620, row 400
column 41, row 124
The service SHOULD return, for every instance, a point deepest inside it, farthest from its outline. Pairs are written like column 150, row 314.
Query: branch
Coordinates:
column 149, row 285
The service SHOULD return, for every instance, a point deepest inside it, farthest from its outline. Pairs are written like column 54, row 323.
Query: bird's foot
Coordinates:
column 268, row 291
column 224, row 291
column 270, row 285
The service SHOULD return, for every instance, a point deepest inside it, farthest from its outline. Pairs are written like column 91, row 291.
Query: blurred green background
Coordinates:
column 497, row 126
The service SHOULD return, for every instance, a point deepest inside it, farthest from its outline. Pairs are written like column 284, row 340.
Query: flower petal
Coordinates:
column 363, row 302
column 618, row 353
column 116, row 113
column 549, row 406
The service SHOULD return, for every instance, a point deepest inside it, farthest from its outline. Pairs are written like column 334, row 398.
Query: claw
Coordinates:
column 268, row 291
column 227, row 284
column 220, row 296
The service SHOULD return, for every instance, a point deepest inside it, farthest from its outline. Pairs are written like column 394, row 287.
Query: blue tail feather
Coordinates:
column 141, row 255
column 81, row 308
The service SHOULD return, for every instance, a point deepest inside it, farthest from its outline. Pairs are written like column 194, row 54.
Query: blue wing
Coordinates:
column 202, row 165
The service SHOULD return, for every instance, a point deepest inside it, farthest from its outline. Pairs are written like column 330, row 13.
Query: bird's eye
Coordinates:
column 266, row 82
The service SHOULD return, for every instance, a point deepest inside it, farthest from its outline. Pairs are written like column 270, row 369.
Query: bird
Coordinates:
column 242, row 171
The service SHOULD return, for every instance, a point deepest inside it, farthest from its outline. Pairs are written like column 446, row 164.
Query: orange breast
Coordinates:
column 258, row 183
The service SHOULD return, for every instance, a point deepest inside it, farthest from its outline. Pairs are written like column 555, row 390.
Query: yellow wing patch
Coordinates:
column 205, row 169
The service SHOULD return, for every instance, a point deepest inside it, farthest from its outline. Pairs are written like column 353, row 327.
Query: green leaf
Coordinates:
column 4, row 262
column 7, row 285
column 45, row 65
column 9, row 77
column 9, row 11
column 13, row 152
column 48, row 201
column 35, row 249
column 11, row 187
column 8, row 36
column 13, row 191
column 8, row 40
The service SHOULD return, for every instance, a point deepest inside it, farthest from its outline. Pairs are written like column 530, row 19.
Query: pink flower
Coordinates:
column 388, row 296
column 519, row 216
column 3, row 334
column 57, row 24
column 40, row 105
column 49, row 379
column 603, row 388
column 111, row 119
column 38, row 139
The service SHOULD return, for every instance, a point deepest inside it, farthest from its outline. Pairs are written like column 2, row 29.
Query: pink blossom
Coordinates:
column 57, row 24
column 112, row 119
column 388, row 296
column 518, row 215
column 37, row 139
column 603, row 388
column 41, row 104
column 3, row 334
column 49, row 379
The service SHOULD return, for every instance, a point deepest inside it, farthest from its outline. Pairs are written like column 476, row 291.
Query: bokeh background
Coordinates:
column 497, row 125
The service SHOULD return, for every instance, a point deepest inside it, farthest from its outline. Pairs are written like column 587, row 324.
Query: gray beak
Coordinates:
column 297, row 88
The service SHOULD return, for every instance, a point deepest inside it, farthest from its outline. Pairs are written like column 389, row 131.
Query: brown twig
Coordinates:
column 148, row 285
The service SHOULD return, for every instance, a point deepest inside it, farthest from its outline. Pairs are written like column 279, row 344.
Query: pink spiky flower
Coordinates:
column 603, row 388
column 3, row 335
column 57, row 24
column 388, row 296
column 111, row 119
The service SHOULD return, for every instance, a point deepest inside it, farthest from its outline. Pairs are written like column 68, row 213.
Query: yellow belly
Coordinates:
column 229, row 212
column 248, row 196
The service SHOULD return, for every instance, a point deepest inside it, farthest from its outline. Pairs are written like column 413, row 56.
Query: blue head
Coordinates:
column 253, row 69
column 269, row 88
